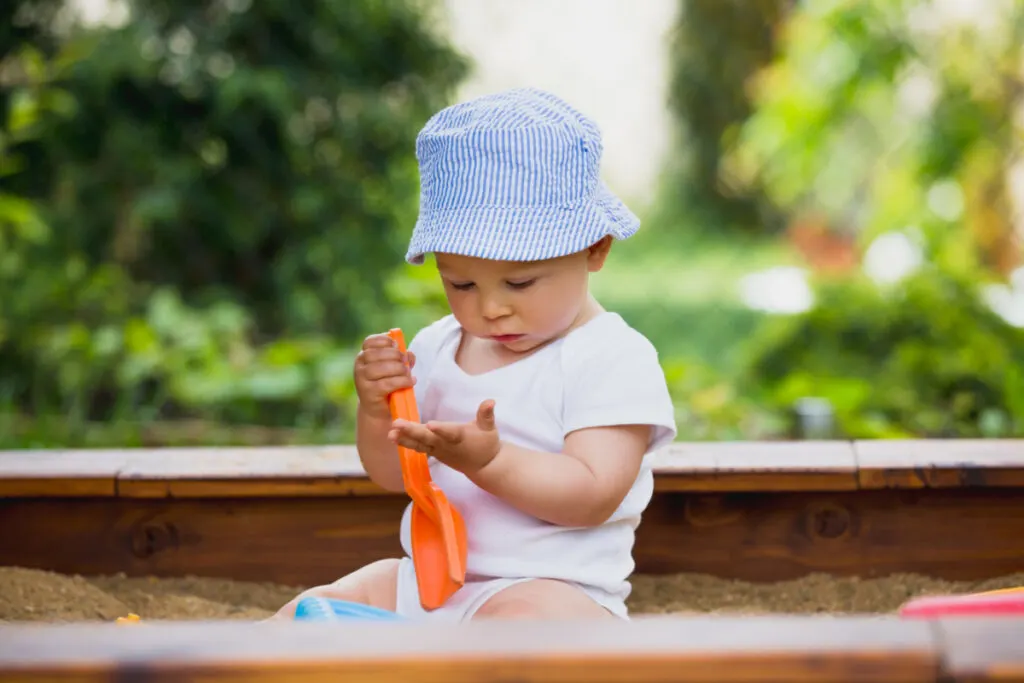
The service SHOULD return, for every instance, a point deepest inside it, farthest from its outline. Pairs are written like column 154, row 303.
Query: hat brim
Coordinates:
column 522, row 233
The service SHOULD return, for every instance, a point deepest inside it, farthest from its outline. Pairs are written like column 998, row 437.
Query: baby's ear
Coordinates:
column 598, row 252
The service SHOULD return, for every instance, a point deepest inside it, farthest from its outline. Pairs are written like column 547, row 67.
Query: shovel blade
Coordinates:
column 434, row 576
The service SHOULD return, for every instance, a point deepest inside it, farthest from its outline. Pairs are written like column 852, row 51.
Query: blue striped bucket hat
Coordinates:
column 513, row 176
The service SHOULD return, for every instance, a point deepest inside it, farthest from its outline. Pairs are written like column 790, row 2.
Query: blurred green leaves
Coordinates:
column 925, row 358
column 887, row 115
column 872, row 118
column 203, row 209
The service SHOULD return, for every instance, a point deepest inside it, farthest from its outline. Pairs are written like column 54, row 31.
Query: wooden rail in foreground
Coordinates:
column 761, row 511
column 663, row 649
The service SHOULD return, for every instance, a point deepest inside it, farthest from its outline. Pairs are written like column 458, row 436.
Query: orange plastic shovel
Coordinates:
column 437, row 529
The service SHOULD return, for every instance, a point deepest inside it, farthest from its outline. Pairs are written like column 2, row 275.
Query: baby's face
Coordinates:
column 520, row 305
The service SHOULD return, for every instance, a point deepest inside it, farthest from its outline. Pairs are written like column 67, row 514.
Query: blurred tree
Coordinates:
column 897, row 122
column 27, row 22
column 888, row 115
column 204, row 202
column 259, row 151
column 717, row 47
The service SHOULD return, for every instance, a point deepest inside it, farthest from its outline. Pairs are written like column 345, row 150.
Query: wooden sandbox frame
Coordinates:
column 753, row 511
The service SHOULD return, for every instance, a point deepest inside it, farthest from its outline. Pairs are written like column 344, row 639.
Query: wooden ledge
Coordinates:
column 648, row 649
column 680, row 467
column 951, row 463
column 982, row 649
column 186, row 473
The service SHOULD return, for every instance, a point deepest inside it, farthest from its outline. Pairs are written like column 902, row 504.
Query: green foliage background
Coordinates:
column 881, row 118
column 204, row 209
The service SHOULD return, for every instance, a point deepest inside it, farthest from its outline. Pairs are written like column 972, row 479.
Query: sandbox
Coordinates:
column 762, row 541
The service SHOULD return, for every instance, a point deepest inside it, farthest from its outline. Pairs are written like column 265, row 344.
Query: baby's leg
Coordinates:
column 542, row 599
column 374, row 585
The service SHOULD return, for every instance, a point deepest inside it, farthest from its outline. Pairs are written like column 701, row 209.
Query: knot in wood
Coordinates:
column 149, row 538
column 828, row 521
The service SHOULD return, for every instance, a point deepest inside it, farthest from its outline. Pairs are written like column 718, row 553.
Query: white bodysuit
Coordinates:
column 602, row 373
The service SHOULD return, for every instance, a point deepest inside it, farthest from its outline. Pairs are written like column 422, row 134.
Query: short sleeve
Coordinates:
column 613, row 377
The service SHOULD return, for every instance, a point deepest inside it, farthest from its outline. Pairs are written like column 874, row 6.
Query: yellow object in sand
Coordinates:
column 130, row 619
column 1002, row 591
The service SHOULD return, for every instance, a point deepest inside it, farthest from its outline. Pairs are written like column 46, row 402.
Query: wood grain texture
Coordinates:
column 749, row 466
column 982, row 650
column 951, row 533
column 653, row 649
column 294, row 541
column 246, row 472
column 60, row 473
column 945, row 463
column 680, row 467
column 959, row 534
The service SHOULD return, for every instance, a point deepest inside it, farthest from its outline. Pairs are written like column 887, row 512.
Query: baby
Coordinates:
column 538, row 406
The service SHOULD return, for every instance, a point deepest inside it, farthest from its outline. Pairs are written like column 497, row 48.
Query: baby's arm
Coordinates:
column 581, row 486
column 376, row 452
column 616, row 408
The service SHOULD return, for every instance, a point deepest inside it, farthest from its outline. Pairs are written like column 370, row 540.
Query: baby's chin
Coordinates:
column 528, row 343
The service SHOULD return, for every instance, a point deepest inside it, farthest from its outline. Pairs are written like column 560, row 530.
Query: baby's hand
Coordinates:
column 381, row 369
column 467, row 447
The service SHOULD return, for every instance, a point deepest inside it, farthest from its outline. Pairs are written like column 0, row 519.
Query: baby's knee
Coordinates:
column 385, row 570
column 373, row 584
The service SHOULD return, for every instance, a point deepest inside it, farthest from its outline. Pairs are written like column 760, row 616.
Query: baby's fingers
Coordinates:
column 379, row 341
column 384, row 369
column 413, row 435
column 389, row 385
column 375, row 343
column 452, row 432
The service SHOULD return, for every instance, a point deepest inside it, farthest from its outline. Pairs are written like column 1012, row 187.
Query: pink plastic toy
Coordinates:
column 1008, row 601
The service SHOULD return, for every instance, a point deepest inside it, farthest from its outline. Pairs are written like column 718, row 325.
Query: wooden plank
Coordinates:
column 957, row 534
column 60, row 473
column 681, row 467
column 756, row 466
column 293, row 541
column 982, row 650
column 336, row 471
column 232, row 472
column 660, row 649
column 940, row 463
column 960, row 534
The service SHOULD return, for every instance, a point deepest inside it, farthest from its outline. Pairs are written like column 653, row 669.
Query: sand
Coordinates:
column 33, row 595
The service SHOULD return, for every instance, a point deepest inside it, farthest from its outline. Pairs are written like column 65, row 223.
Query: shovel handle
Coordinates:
column 415, row 471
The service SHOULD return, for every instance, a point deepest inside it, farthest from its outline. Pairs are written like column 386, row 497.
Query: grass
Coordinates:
column 684, row 268
column 682, row 290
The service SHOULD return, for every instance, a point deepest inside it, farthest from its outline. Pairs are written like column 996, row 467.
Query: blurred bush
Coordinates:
column 712, row 406
column 882, row 115
column 716, row 49
column 883, row 119
column 926, row 358
column 205, row 206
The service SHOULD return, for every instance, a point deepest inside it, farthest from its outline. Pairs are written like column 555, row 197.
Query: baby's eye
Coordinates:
column 522, row 284
column 462, row 286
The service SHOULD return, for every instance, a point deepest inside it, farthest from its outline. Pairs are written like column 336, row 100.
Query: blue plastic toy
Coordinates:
column 326, row 609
